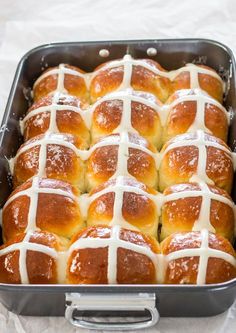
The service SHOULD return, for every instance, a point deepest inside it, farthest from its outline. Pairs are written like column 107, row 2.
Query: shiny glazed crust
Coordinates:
column 182, row 116
column 56, row 213
column 107, row 80
column 41, row 268
column 67, row 121
column 207, row 83
column 74, row 85
column 102, row 163
column 89, row 266
column 145, row 120
column 62, row 162
column 184, row 270
column 181, row 214
column 179, row 164
column 138, row 210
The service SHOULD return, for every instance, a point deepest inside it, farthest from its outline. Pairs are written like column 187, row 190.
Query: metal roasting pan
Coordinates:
column 110, row 306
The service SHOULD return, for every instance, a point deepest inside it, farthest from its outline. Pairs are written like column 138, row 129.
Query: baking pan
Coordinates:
column 84, row 305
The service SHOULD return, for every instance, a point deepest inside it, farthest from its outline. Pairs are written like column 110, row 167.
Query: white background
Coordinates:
column 26, row 23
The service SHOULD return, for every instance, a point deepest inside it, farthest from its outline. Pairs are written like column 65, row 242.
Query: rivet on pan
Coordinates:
column 151, row 52
column 104, row 53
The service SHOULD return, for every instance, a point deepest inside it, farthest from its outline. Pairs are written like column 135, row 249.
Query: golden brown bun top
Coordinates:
column 108, row 112
column 131, row 236
column 133, row 138
column 186, row 92
column 213, row 85
column 63, row 99
column 187, row 268
column 146, row 75
column 40, row 237
column 58, row 137
column 194, row 136
column 206, row 207
column 73, row 82
column 193, row 240
column 48, row 183
column 187, row 105
column 117, row 94
column 137, row 205
column 125, row 181
column 195, row 187
column 40, row 260
column 90, row 265
column 74, row 68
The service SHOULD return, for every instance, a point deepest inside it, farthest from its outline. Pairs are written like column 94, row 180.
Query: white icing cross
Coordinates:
column 127, row 98
column 52, row 109
column 119, row 188
column 23, row 247
column 123, row 152
column 202, row 101
column 113, row 243
column 124, row 144
column 204, row 253
column 128, row 62
column 61, row 71
column 43, row 144
column 203, row 221
column 201, row 143
column 32, row 193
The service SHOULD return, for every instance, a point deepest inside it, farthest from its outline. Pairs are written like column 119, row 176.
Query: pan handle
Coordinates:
column 97, row 305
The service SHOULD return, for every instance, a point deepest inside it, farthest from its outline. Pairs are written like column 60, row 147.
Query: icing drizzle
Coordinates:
column 201, row 143
column 203, row 221
column 33, row 193
column 204, row 252
column 127, row 98
column 113, row 243
column 52, row 109
column 61, row 71
column 160, row 261
column 119, row 188
column 128, row 62
column 24, row 246
column 123, row 151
